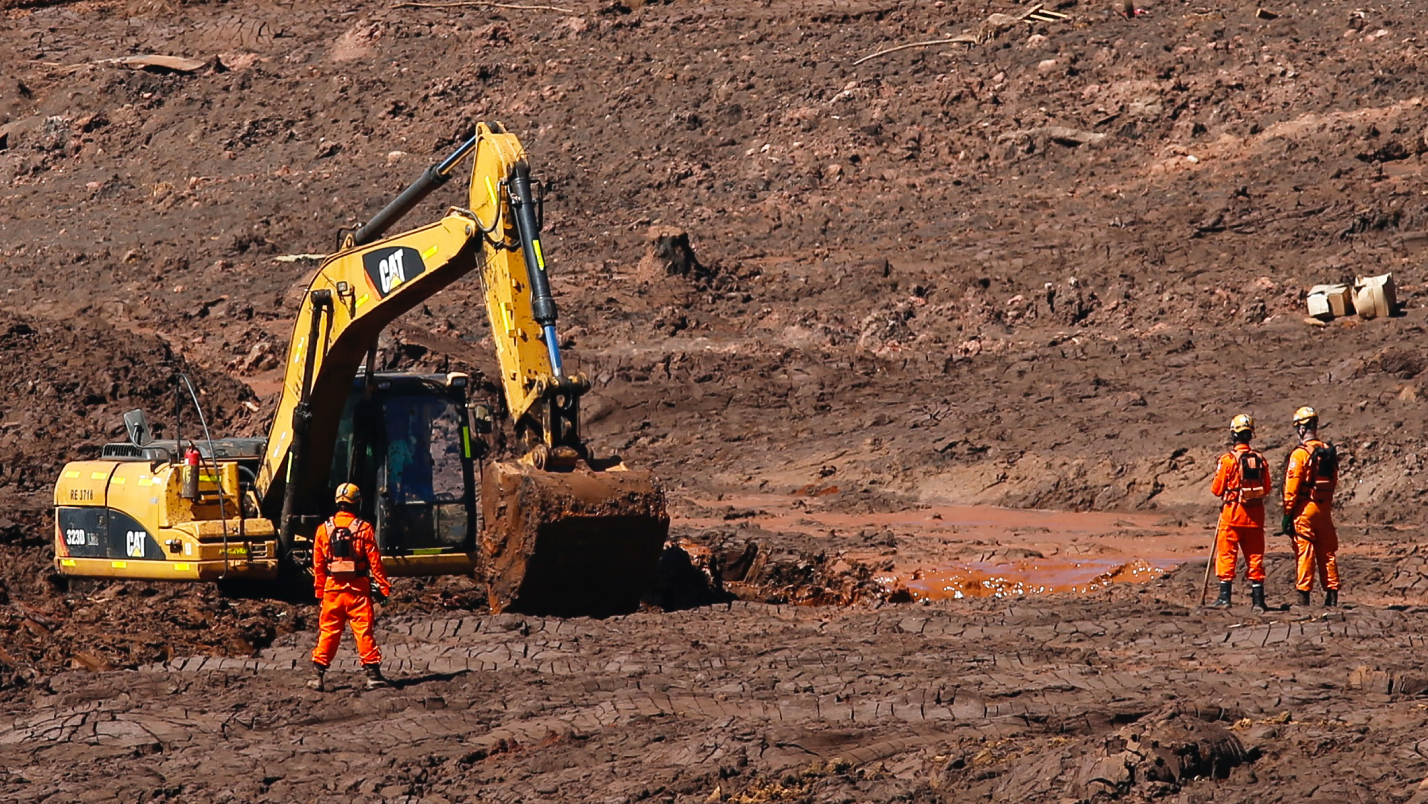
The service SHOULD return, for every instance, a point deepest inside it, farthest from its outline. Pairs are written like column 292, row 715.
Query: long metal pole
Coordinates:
column 1214, row 551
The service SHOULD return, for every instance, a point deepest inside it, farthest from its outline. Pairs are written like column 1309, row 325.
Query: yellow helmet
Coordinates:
column 1243, row 423
column 349, row 493
column 1306, row 416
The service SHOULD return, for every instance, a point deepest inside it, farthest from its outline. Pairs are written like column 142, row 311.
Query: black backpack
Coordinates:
column 1324, row 465
column 345, row 554
column 339, row 540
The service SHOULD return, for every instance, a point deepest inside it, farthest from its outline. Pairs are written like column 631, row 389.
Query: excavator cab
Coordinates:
column 405, row 440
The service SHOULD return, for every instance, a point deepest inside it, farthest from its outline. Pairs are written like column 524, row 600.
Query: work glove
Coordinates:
column 379, row 596
column 1286, row 525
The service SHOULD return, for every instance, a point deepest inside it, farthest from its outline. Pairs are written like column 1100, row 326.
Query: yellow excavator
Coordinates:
column 557, row 530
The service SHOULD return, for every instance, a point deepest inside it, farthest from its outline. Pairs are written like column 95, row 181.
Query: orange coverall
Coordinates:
column 1241, row 523
column 347, row 596
column 1316, row 543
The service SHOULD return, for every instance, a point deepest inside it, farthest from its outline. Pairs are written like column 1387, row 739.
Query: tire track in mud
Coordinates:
column 796, row 687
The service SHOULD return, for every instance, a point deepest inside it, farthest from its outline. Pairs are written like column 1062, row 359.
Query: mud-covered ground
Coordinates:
column 1040, row 270
column 1129, row 695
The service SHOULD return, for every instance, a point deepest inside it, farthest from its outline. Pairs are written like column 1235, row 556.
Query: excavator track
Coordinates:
column 570, row 543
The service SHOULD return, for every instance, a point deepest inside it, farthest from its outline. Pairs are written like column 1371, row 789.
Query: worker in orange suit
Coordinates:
column 1242, row 483
column 345, row 562
column 1309, row 485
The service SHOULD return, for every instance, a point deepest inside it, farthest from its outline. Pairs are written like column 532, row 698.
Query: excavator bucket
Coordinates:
column 569, row 543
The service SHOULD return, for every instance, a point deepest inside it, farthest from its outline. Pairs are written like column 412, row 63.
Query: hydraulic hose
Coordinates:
column 542, row 303
column 432, row 178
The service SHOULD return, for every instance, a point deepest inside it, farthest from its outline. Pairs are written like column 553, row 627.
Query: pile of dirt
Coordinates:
column 752, row 564
column 1153, row 757
column 68, row 384
column 89, row 626
column 66, row 387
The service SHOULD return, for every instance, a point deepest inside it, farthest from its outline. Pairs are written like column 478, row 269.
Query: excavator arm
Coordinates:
column 361, row 289
column 560, row 528
column 354, row 295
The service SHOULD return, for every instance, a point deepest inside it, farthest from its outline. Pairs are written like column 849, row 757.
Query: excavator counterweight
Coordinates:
column 551, row 529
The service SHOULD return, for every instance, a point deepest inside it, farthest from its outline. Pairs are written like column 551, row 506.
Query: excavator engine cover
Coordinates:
column 570, row 543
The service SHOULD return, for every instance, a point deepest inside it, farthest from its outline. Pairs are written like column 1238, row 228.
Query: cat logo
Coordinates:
column 390, row 272
column 134, row 544
column 390, row 268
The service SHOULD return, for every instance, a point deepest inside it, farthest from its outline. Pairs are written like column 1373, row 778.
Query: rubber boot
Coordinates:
column 315, row 683
column 1303, row 597
column 1257, row 598
column 1224, row 601
column 374, row 676
column 1331, row 597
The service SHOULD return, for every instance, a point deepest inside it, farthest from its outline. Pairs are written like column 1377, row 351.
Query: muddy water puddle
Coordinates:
column 962, row 551
column 1032, row 577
